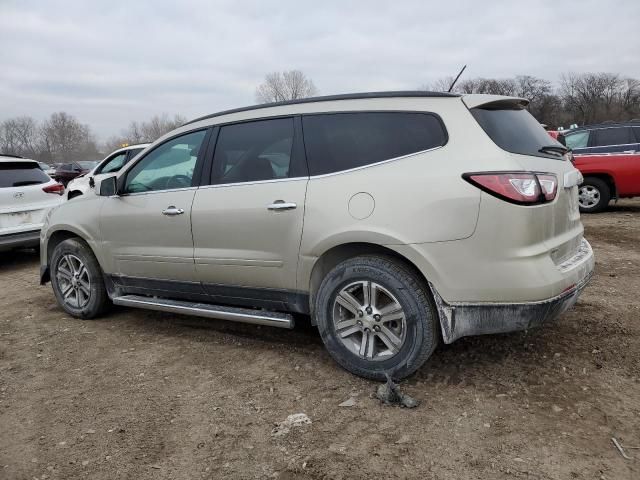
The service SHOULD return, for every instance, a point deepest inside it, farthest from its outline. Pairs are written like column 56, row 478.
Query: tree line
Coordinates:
column 62, row 138
column 577, row 98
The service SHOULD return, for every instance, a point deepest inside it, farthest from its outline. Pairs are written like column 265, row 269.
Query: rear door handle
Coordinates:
column 281, row 205
column 172, row 211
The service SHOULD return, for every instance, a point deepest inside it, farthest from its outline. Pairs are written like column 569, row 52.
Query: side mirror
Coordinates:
column 108, row 187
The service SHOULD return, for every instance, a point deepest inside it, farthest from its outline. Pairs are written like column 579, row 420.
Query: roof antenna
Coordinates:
column 454, row 82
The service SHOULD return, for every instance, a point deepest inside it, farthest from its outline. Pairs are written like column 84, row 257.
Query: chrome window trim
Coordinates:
column 134, row 194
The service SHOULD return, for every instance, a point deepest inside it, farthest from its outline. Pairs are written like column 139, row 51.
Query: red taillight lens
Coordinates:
column 523, row 188
column 57, row 188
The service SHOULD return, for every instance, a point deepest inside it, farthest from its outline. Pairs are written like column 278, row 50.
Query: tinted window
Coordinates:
column 134, row 151
column 168, row 166
column 636, row 131
column 65, row 166
column 515, row 130
column 114, row 164
column 577, row 140
column 612, row 136
column 253, row 151
column 341, row 141
column 19, row 174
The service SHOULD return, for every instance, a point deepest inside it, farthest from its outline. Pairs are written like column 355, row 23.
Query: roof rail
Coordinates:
column 11, row 155
column 329, row 98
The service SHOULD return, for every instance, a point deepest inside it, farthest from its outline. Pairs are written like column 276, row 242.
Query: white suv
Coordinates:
column 394, row 220
column 111, row 164
column 26, row 195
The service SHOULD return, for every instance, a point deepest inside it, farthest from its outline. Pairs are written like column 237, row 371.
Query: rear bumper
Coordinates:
column 460, row 319
column 29, row 238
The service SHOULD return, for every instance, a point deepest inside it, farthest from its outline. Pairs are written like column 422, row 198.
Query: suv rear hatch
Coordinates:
column 512, row 128
column 26, row 193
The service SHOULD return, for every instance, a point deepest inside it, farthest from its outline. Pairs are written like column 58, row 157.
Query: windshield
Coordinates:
column 86, row 165
column 515, row 130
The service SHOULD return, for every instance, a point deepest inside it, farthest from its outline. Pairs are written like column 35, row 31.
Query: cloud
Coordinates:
column 110, row 62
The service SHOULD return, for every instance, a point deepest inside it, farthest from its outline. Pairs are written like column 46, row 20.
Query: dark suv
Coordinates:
column 68, row 171
column 604, row 138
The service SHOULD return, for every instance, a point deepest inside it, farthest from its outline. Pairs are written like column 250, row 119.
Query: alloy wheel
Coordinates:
column 73, row 281
column 369, row 320
column 588, row 196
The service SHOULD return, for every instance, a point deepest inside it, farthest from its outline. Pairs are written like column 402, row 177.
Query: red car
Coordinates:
column 607, row 176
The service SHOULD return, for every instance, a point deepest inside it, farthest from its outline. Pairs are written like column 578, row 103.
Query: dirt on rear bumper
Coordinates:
column 462, row 320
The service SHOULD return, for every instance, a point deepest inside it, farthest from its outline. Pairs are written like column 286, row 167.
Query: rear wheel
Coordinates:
column 593, row 195
column 77, row 280
column 375, row 315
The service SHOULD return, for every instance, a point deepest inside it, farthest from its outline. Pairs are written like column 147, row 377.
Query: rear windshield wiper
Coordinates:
column 553, row 149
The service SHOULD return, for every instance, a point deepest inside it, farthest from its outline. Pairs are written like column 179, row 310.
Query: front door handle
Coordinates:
column 172, row 211
column 281, row 205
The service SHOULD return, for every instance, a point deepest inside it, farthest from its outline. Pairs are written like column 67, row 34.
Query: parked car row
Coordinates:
column 426, row 216
column 608, row 156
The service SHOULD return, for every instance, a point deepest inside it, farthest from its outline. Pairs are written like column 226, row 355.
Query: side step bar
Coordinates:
column 243, row 315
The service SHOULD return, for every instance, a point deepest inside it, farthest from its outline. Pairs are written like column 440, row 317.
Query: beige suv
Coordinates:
column 392, row 219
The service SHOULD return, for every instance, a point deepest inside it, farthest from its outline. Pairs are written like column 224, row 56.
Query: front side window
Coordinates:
column 341, row 141
column 114, row 164
column 253, row 151
column 613, row 136
column 168, row 166
column 577, row 140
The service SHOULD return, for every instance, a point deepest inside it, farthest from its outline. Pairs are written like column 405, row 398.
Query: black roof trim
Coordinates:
column 329, row 98
column 608, row 124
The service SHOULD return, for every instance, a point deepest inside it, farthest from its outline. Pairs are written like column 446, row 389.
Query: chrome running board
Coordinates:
column 243, row 315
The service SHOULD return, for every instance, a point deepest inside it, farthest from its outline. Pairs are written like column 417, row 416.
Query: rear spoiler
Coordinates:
column 493, row 101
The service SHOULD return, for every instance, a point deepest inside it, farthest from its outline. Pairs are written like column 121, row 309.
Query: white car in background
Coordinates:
column 111, row 164
column 26, row 195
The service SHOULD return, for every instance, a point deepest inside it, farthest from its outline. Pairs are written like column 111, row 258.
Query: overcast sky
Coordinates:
column 109, row 62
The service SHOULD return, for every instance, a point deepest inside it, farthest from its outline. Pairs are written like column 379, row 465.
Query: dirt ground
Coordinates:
column 141, row 394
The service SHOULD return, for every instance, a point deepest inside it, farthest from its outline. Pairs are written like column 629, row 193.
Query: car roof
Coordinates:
column 631, row 123
column 14, row 158
column 330, row 98
column 128, row 147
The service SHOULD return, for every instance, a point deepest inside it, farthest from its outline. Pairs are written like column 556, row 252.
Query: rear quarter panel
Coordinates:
column 420, row 198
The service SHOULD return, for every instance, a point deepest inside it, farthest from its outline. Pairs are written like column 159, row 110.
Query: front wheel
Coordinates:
column 593, row 195
column 376, row 316
column 76, row 278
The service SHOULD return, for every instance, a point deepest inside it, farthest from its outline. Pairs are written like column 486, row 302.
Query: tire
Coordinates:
column 392, row 282
column 593, row 195
column 66, row 261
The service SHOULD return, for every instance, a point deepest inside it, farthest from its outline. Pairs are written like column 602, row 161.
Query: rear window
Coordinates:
column 515, row 130
column 341, row 141
column 19, row 174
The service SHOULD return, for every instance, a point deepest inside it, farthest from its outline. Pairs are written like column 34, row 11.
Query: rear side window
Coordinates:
column 613, row 136
column 577, row 140
column 20, row 174
column 515, row 130
column 341, row 141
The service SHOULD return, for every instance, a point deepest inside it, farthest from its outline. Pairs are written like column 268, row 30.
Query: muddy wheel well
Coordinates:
column 335, row 255
column 608, row 179
column 57, row 238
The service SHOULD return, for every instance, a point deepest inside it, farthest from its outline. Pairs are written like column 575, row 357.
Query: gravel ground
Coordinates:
column 142, row 394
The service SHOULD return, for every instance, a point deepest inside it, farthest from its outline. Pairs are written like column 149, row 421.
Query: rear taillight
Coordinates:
column 522, row 188
column 57, row 188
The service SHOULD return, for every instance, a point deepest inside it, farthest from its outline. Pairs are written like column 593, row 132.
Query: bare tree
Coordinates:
column 19, row 136
column 143, row 132
column 63, row 138
column 282, row 86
